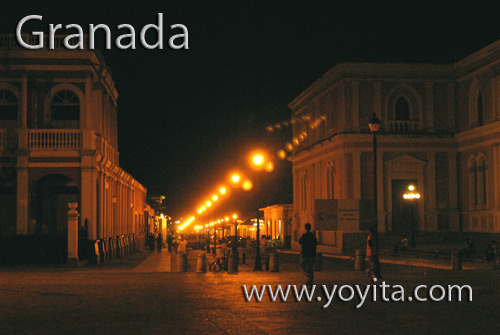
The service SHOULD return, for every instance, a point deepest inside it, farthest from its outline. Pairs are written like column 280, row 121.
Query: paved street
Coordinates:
column 139, row 295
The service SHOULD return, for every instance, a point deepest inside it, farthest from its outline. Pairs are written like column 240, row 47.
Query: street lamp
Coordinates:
column 257, row 160
column 412, row 195
column 374, row 125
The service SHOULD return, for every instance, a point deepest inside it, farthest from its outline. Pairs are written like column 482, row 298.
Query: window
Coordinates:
column 480, row 113
column 402, row 110
column 8, row 105
column 65, row 106
column 481, row 180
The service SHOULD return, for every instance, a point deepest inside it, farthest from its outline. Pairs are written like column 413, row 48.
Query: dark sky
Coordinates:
column 187, row 117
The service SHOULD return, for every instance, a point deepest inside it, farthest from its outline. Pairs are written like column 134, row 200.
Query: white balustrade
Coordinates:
column 54, row 139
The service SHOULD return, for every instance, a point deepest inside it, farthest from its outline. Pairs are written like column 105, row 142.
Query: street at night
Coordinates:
column 140, row 296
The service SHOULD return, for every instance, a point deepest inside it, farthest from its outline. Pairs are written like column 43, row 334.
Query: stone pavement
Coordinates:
column 137, row 295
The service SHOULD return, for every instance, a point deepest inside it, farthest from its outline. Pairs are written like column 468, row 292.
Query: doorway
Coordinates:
column 402, row 214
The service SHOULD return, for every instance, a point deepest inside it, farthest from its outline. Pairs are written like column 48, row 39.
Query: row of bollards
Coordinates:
column 272, row 263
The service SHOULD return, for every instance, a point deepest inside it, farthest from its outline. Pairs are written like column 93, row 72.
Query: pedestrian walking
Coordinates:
column 182, row 245
column 159, row 242
column 308, row 244
column 372, row 253
column 169, row 243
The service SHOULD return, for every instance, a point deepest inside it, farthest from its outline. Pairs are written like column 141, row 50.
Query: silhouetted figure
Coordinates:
column 470, row 248
column 492, row 250
column 151, row 242
column 372, row 253
column 308, row 243
column 159, row 242
column 169, row 243
column 402, row 245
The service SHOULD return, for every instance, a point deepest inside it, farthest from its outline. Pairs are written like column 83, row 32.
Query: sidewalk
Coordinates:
column 435, row 263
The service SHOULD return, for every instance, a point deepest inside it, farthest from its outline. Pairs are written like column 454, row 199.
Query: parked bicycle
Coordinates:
column 219, row 264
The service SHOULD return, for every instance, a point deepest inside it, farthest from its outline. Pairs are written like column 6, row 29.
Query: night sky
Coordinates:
column 188, row 117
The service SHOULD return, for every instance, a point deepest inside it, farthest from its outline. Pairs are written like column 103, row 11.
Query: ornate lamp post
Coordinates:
column 411, row 196
column 374, row 125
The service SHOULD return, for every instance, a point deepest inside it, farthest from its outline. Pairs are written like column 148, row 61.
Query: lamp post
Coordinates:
column 412, row 195
column 258, row 161
column 374, row 125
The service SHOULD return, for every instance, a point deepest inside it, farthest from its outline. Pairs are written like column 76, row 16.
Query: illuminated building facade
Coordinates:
column 440, row 132
column 59, row 145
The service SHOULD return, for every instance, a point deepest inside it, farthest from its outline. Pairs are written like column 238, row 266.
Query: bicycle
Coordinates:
column 218, row 265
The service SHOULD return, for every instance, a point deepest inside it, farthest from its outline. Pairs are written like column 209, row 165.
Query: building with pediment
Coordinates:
column 440, row 132
column 59, row 145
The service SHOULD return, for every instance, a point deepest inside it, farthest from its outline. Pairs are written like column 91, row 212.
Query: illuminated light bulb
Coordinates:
column 270, row 129
column 222, row 190
column 411, row 187
column 281, row 154
column 269, row 166
column 235, row 216
column 247, row 185
column 286, row 123
column 277, row 125
column 258, row 159
column 199, row 211
column 208, row 203
column 296, row 141
column 203, row 208
column 235, row 178
column 214, row 197
column 227, row 219
column 289, row 146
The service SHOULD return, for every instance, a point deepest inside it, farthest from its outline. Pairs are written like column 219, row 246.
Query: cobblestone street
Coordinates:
column 139, row 295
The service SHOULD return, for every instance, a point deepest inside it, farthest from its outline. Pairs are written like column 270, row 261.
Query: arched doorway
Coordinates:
column 49, row 216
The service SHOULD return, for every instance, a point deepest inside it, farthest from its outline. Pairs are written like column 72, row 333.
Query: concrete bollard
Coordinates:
column 274, row 263
column 456, row 260
column 232, row 263
column 359, row 261
column 182, row 264
column 319, row 262
column 201, row 265
column 96, row 252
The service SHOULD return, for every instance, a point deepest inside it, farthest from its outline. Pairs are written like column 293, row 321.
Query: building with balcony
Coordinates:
column 440, row 132
column 59, row 145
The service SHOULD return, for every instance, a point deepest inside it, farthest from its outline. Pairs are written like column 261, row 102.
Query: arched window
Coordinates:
column 402, row 110
column 8, row 105
column 480, row 113
column 65, row 106
column 472, row 182
column 481, row 180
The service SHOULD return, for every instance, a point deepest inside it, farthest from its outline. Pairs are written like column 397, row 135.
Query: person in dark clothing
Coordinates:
column 159, row 242
column 169, row 243
column 308, row 244
column 372, row 253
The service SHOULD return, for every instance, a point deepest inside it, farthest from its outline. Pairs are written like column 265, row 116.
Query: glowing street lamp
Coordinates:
column 411, row 196
column 222, row 190
column 235, row 178
column 214, row 197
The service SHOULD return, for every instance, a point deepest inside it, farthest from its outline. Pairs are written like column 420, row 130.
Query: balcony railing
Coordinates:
column 8, row 140
column 54, row 139
column 403, row 126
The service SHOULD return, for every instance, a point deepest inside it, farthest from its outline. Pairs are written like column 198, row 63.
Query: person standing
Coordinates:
column 159, row 242
column 182, row 245
column 308, row 244
column 372, row 253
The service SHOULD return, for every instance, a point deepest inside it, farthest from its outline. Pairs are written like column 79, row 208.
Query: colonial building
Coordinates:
column 59, row 145
column 440, row 132
column 277, row 223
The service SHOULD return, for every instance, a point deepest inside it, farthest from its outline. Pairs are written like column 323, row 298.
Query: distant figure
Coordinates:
column 402, row 245
column 159, row 242
column 308, row 244
column 372, row 253
column 169, row 243
column 470, row 248
column 492, row 250
column 263, row 245
column 182, row 245
column 151, row 242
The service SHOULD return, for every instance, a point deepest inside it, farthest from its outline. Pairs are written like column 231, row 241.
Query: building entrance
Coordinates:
column 401, row 208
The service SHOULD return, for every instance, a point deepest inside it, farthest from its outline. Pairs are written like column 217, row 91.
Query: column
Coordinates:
column 454, row 224
column 430, row 224
column 72, row 234
column 355, row 105
column 380, row 190
column 429, row 106
column 22, row 208
column 356, row 174
column 24, row 102
column 88, row 205
column 451, row 106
